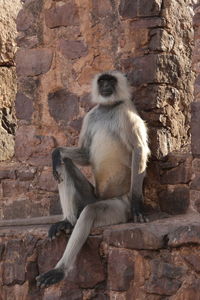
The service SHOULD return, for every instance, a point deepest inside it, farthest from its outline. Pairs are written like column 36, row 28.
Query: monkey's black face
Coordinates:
column 107, row 85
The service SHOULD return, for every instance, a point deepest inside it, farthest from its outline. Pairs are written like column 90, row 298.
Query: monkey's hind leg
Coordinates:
column 75, row 193
column 106, row 212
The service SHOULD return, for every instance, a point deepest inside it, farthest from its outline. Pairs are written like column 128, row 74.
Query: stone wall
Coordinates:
column 62, row 44
column 155, row 261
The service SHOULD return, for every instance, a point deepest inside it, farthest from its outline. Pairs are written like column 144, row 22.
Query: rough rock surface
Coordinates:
column 152, row 261
column 8, row 82
column 62, row 44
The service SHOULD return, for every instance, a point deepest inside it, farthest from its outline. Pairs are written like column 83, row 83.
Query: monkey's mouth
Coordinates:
column 106, row 93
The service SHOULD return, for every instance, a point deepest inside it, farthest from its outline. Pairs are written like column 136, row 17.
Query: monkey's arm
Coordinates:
column 140, row 155
column 78, row 155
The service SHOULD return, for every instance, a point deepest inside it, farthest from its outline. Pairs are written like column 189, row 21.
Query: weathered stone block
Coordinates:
column 150, row 8
column 47, row 181
column 35, row 148
column 88, row 270
column 133, row 237
column 7, row 173
column 62, row 15
column 184, row 235
column 72, row 49
column 120, row 269
column 195, row 125
column 161, row 40
column 13, row 188
column 165, row 278
column 101, row 8
column 139, row 8
column 174, row 200
column 194, row 261
column 63, row 105
column 31, row 62
column 177, row 169
column 128, row 9
column 26, row 173
column 24, row 107
column 160, row 68
column 24, row 20
column 195, row 184
column 14, row 264
column 195, row 200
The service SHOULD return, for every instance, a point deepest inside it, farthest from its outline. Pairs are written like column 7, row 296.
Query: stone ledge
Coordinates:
column 126, row 261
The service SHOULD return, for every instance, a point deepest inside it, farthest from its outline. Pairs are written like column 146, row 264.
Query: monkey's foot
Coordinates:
column 56, row 229
column 50, row 277
column 138, row 217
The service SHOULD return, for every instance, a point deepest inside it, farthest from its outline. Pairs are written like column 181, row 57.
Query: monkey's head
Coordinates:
column 110, row 87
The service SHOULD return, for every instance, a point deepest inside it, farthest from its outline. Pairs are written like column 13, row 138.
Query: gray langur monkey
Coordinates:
column 114, row 142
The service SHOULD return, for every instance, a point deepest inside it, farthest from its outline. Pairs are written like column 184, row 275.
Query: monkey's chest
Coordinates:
column 111, row 164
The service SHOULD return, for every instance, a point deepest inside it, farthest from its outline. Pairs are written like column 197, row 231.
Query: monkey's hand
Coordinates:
column 137, row 210
column 51, row 277
column 56, row 162
column 56, row 229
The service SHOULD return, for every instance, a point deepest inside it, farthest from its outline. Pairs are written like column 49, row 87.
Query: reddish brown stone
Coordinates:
column 67, row 291
column 76, row 124
column 160, row 68
column 49, row 253
column 161, row 40
column 24, row 41
column 14, row 188
column 24, row 107
column 176, row 169
column 174, row 200
column 24, row 20
column 194, row 261
column 85, row 102
column 134, row 237
column 63, row 106
column 120, row 269
column 72, row 49
column 26, row 173
column 196, row 20
column 195, row 184
column 165, row 278
column 89, row 270
column 28, row 86
column 128, row 8
column 195, row 125
column 31, row 62
column 63, row 15
column 14, row 264
column 47, row 181
column 197, row 205
column 17, row 210
column 139, row 8
column 35, row 148
column 184, row 235
column 149, row 8
column 7, row 173
column 101, row 8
